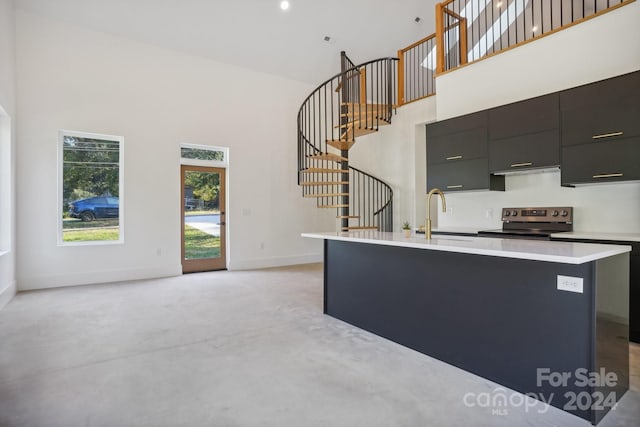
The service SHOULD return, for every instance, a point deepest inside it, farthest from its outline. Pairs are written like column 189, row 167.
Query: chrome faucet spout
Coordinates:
column 427, row 229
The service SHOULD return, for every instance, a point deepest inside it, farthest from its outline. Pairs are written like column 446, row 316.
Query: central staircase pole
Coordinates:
column 344, row 119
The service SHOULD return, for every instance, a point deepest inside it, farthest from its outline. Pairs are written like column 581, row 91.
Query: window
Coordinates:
column 202, row 155
column 90, row 188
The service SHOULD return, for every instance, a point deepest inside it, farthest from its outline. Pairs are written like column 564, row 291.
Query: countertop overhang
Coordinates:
column 537, row 250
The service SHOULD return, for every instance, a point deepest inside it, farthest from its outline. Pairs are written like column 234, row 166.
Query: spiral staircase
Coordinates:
column 351, row 104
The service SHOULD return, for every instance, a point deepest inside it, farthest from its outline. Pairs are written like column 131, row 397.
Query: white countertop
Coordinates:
column 596, row 235
column 462, row 230
column 538, row 250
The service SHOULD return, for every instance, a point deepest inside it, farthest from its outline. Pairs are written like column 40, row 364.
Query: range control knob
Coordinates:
column 564, row 213
column 507, row 213
column 514, row 213
column 555, row 213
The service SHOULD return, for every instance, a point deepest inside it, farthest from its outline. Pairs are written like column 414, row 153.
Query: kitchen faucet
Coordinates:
column 427, row 230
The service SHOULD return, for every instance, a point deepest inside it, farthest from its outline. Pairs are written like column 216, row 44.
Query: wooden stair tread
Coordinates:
column 328, row 156
column 363, row 106
column 367, row 123
column 341, row 144
column 359, row 228
column 308, row 184
column 325, row 195
column 324, row 170
column 356, row 132
column 333, row 206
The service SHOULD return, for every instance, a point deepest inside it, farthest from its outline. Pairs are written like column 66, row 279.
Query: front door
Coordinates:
column 203, row 223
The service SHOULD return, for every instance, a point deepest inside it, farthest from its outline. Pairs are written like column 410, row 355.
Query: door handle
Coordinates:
column 519, row 165
column 607, row 135
column 608, row 175
column 222, row 223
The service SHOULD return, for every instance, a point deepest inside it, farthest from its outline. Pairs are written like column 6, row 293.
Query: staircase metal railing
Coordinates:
column 416, row 70
column 468, row 30
column 352, row 103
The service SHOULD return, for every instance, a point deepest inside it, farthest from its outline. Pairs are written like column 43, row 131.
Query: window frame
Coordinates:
column 60, row 203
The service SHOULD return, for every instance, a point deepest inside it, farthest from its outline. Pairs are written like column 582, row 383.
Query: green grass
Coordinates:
column 70, row 224
column 95, row 234
column 199, row 245
column 202, row 212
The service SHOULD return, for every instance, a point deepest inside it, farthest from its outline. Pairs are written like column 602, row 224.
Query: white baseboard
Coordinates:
column 94, row 277
column 252, row 264
column 8, row 293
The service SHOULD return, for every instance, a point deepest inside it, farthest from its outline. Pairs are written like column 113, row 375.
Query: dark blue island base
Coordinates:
column 500, row 318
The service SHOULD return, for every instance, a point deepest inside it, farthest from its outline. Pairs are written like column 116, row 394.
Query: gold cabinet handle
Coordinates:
column 519, row 165
column 608, row 175
column 454, row 158
column 454, row 186
column 607, row 135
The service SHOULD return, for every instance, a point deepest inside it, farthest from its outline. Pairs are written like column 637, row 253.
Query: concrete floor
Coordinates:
column 247, row 348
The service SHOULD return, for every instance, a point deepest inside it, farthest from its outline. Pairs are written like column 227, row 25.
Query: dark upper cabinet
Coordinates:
column 463, row 175
column 466, row 145
column 460, row 138
column 609, row 161
column 601, row 111
column 458, row 124
column 525, row 117
column 601, row 131
column 530, row 151
column 525, row 134
column 457, row 155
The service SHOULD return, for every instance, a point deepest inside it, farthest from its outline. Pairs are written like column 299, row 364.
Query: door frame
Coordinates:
column 204, row 264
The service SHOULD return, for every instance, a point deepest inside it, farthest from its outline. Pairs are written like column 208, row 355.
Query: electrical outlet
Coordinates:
column 450, row 211
column 571, row 284
column 158, row 251
column 488, row 213
column 261, row 245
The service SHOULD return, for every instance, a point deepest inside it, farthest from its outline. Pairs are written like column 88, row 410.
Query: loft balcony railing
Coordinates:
column 469, row 30
column 416, row 70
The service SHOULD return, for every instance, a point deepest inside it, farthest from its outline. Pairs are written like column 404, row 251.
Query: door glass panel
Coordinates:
column 201, row 215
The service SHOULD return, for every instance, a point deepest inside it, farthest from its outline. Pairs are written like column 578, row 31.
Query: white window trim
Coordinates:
column 120, row 139
column 211, row 163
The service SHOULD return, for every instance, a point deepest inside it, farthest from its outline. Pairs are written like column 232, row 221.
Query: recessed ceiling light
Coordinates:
column 284, row 5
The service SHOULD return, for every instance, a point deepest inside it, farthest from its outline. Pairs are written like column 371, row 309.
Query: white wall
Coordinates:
column 7, row 148
column 600, row 48
column 396, row 154
column 75, row 79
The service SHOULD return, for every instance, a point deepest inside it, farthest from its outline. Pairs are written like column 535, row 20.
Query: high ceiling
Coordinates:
column 256, row 33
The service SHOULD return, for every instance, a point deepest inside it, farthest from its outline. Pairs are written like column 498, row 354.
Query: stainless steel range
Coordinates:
column 532, row 223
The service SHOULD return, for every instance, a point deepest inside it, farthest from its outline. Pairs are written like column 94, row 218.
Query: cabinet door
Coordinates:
column 529, row 116
column 598, row 162
column 535, row 150
column 457, row 124
column 609, row 109
column 463, row 175
column 465, row 145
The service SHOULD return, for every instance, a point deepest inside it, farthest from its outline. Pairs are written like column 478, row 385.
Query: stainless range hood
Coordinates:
column 529, row 170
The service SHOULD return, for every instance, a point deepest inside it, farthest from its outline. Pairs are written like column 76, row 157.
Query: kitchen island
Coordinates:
column 522, row 313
